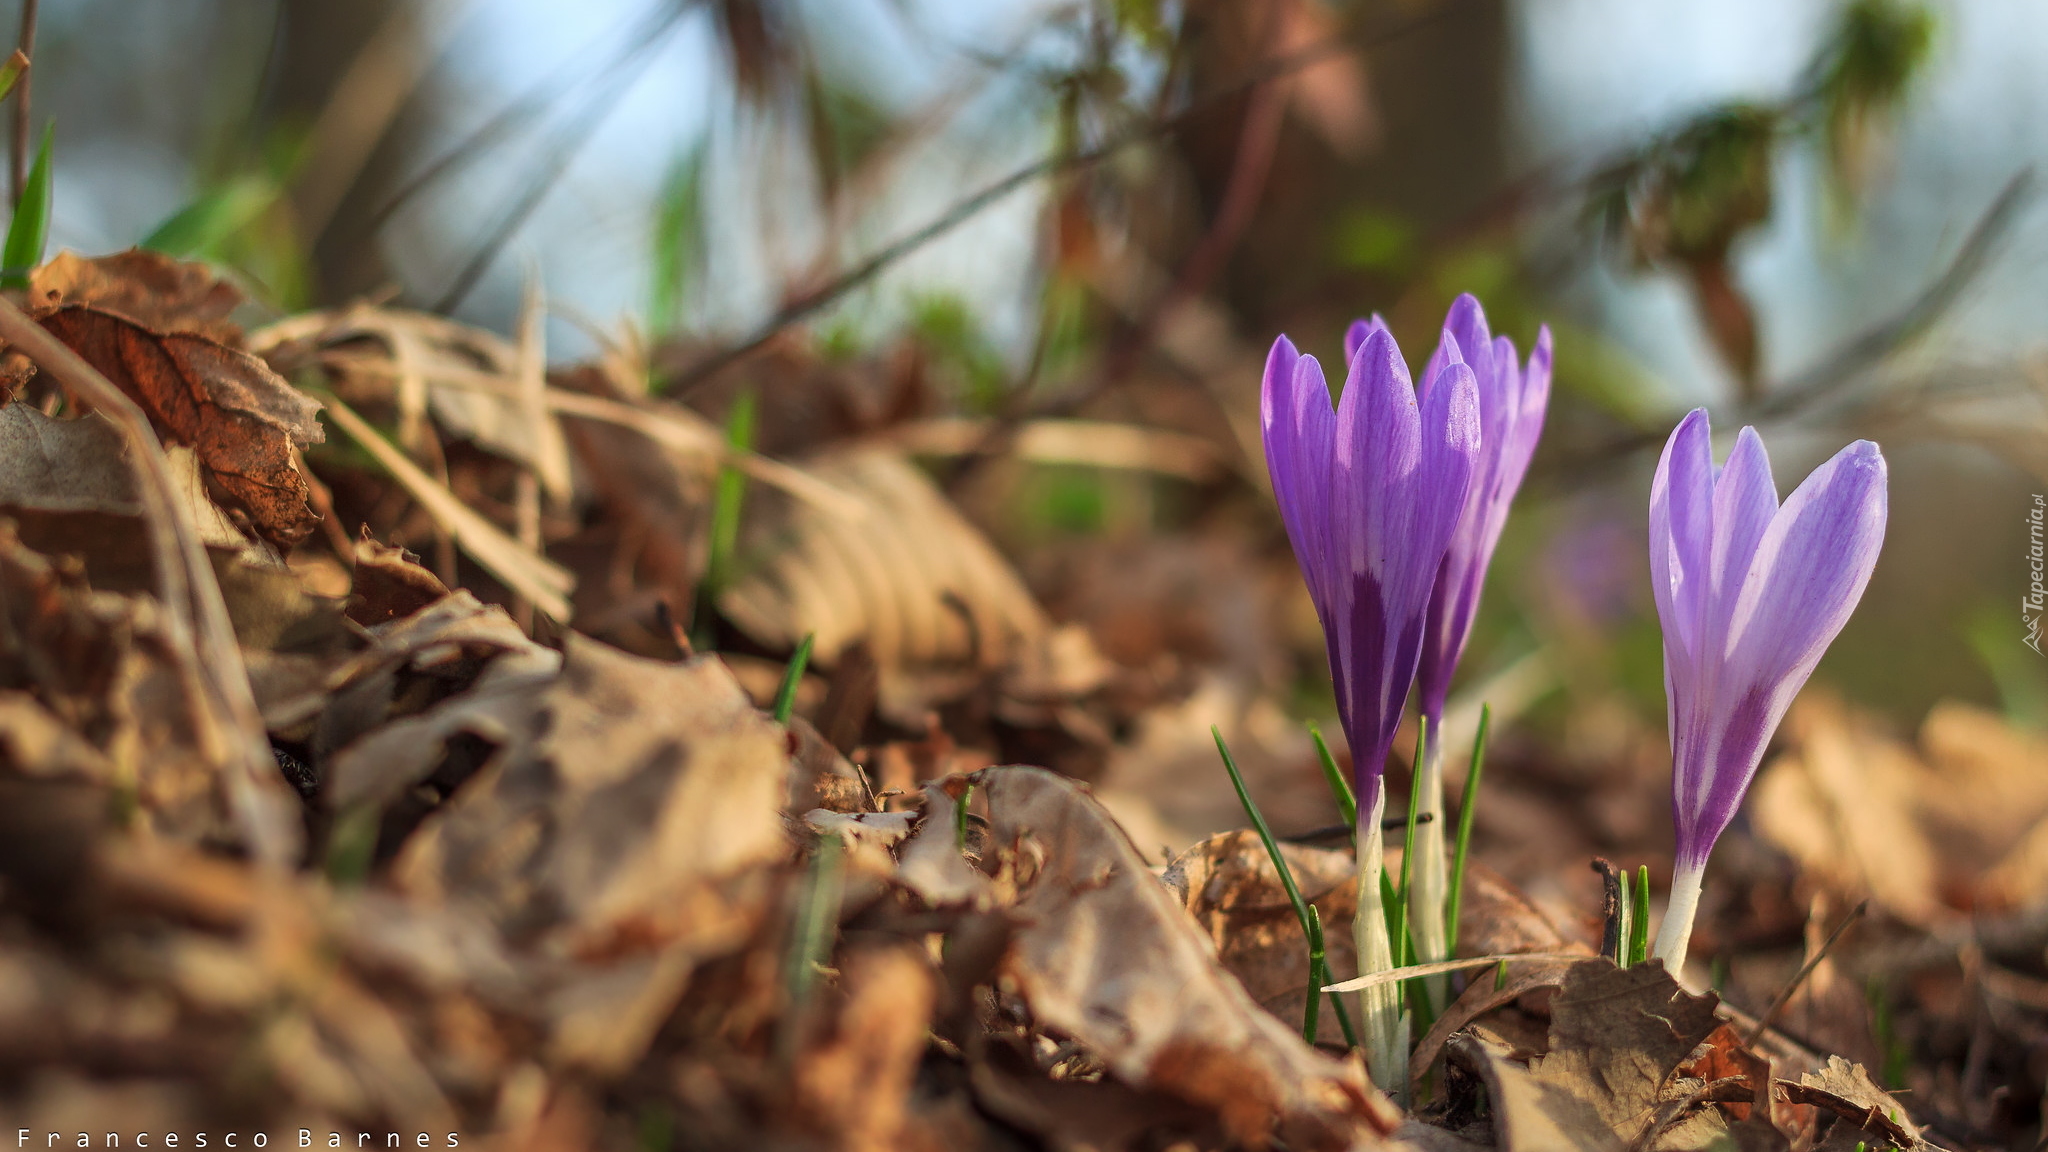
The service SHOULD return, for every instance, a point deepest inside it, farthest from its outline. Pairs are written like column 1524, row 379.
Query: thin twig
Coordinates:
column 1770, row 1015
column 17, row 156
column 557, row 152
column 1854, row 355
column 1612, row 903
column 1054, row 164
column 230, row 728
column 524, row 108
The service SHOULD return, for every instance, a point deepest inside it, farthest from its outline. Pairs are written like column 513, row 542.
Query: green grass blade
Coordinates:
column 817, row 918
column 1639, row 918
column 30, row 229
column 1401, row 932
column 785, row 696
column 1467, row 805
column 960, row 819
column 1398, row 929
column 727, row 500
column 1319, row 976
column 1310, row 924
column 1340, row 788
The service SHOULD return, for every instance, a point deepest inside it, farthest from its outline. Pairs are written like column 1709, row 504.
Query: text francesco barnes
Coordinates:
column 24, row 1138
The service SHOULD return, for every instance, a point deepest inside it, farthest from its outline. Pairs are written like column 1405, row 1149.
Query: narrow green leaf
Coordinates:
column 817, row 917
column 1319, row 976
column 30, row 230
column 785, row 696
column 1418, row 991
column 1639, row 918
column 1467, row 805
column 960, row 819
column 727, row 500
column 1310, row 924
column 1397, row 930
column 1340, row 788
column 352, row 845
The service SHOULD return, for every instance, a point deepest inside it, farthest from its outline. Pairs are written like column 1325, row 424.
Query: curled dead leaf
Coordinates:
column 243, row 421
column 146, row 288
column 1105, row 955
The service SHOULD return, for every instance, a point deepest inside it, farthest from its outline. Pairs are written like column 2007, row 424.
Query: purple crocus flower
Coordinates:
column 1749, row 594
column 1371, row 494
column 1511, row 406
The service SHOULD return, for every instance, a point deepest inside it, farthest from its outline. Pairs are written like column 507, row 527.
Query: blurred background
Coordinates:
column 1817, row 217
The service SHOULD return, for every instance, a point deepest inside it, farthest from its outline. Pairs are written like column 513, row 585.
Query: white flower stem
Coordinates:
column 1675, row 934
column 1428, row 873
column 1379, row 1006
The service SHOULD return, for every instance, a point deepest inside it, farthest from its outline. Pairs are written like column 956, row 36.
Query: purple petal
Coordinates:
column 1745, row 499
column 1403, row 471
column 1805, row 572
column 1354, row 336
column 1299, row 429
column 1464, row 326
column 1681, row 533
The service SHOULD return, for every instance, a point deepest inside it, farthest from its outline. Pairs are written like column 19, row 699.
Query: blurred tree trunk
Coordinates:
column 1437, row 94
column 320, row 41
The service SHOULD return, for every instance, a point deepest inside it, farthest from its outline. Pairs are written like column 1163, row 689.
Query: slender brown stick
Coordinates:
column 17, row 166
column 1770, row 1015
column 1059, row 162
column 229, row 728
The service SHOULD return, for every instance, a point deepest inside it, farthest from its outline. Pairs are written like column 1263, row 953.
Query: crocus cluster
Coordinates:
column 1394, row 500
column 1371, row 492
column 1512, row 401
column 1750, row 593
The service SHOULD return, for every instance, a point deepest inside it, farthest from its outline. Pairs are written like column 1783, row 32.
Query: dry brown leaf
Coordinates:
column 147, row 288
column 389, row 583
column 1527, row 1115
column 633, row 782
column 1105, row 955
column 70, row 490
column 522, row 569
column 1610, row 1078
column 1842, row 802
column 1228, row 884
column 100, row 664
column 925, row 590
column 243, row 421
column 932, row 865
column 1617, row 1035
column 856, row 1081
column 1866, row 1112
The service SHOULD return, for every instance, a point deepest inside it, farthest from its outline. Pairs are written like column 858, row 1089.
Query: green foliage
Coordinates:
column 1861, row 78
column 1340, row 788
column 817, row 918
column 241, row 217
column 1072, row 500
column 785, row 696
column 1311, row 921
column 29, row 232
column 1638, row 916
column 1468, row 808
column 846, row 127
column 727, row 499
column 677, row 251
column 1374, row 240
column 958, row 350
